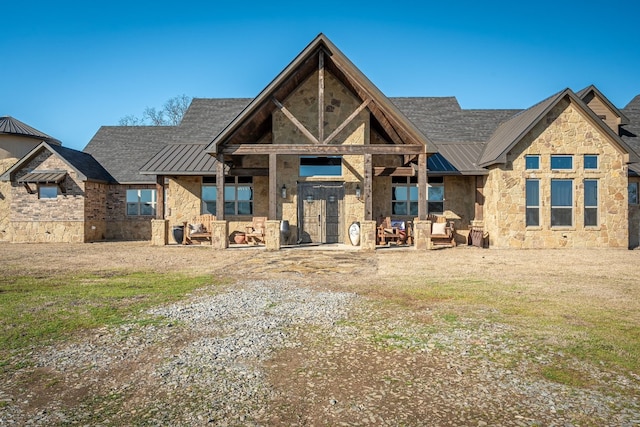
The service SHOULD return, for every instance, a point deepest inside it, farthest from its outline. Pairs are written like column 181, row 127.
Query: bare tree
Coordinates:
column 170, row 114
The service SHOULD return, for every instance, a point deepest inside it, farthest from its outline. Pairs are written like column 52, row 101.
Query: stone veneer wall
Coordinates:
column 564, row 131
column 459, row 199
column 5, row 199
column 634, row 220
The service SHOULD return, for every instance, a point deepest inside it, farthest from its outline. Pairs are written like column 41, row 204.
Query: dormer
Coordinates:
column 604, row 109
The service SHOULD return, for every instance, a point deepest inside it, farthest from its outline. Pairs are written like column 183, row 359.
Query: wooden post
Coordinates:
column 479, row 205
column 220, row 187
column 368, row 187
column 273, row 186
column 160, row 197
column 321, row 96
column 422, row 186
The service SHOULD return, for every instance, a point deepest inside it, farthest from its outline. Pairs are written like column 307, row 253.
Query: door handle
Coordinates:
column 318, row 219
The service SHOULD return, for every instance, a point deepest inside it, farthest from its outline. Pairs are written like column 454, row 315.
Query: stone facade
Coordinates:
column 566, row 130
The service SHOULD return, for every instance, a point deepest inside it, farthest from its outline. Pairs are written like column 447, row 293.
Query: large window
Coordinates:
column 141, row 202
column 435, row 195
column 404, row 196
column 633, row 193
column 320, row 166
column 238, row 195
column 590, row 202
column 533, row 203
column 561, row 202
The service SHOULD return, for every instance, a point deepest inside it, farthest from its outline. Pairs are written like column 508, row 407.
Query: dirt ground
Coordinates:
column 358, row 382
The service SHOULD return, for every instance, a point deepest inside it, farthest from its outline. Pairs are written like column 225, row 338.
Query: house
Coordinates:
column 321, row 148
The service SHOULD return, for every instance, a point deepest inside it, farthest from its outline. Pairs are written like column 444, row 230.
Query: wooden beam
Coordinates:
column 308, row 149
column 385, row 123
column 273, row 186
column 249, row 171
column 220, row 187
column 347, row 121
column 295, row 121
column 422, row 186
column 321, row 95
column 394, row 171
column 368, row 188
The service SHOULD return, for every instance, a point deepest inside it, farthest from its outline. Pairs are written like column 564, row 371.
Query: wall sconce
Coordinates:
column 283, row 191
column 358, row 192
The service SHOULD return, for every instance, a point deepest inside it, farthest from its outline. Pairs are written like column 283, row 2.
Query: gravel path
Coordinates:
column 274, row 352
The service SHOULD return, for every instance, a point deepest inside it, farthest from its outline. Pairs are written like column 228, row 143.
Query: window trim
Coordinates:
column 408, row 184
column 230, row 182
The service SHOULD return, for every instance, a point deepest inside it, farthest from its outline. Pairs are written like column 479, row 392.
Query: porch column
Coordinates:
column 160, row 202
column 479, row 205
column 422, row 186
column 273, row 186
column 368, row 188
column 220, row 187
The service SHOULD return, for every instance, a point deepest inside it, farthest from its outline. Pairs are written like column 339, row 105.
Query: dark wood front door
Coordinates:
column 320, row 206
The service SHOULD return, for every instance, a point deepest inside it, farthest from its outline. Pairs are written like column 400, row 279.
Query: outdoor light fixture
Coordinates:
column 358, row 192
column 283, row 191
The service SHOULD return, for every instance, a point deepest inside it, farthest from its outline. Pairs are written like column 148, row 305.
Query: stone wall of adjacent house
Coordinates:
column 119, row 225
column 565, row 130
column 634, row 220
column 5, row 199
column 47, row 220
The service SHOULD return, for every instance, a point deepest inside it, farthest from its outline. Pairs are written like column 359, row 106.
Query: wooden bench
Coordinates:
column 442, row 231
column 198, row 228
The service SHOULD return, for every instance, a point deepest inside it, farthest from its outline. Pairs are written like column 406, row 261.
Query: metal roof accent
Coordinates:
column 592, row 89
column 183, row 159
column 43, row 177
column 12, row 126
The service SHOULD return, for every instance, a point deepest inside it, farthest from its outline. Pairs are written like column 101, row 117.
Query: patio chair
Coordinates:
column 391, row 231
column 442, row 231
column 255, row 232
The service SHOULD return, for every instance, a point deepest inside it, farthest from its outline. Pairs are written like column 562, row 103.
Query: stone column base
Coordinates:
column 272, row 235
column 159, row 233
column 422, row 234
column 367, row 236
column 219, row 234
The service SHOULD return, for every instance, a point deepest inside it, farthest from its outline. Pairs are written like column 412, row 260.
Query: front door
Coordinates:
column 319, row 207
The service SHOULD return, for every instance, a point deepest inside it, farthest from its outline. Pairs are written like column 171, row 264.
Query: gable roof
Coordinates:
column 509, row 133
column 594, row 90
column 11, row 126
column 253, row 121
column 630, row 133
column 123, row 150
column 85, row 166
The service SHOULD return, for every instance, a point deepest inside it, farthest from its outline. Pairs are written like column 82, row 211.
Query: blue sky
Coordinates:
column 68, row 69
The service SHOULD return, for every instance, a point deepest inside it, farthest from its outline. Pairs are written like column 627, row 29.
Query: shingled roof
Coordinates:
column 123, row 150
column 631, row 132
column 12, row 126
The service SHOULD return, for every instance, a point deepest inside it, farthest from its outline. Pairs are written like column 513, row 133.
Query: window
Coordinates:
column 590, row 202
column 404, row 196
column 561, row 202
column 435, row 195
column 590, row 161
column 141, row 202
column 633, row 193
column 320, row 166
column 562, row 162
column 238, row 195
column 47, row 191
column 533, row 203
column 532, row 162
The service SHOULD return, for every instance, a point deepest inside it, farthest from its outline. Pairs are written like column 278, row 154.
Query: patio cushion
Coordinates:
column 439, row 228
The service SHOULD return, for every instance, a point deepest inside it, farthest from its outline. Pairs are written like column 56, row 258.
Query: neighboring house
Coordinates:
column 321, row 148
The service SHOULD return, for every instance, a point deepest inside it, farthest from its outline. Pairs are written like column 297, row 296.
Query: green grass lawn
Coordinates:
column 37, row 309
